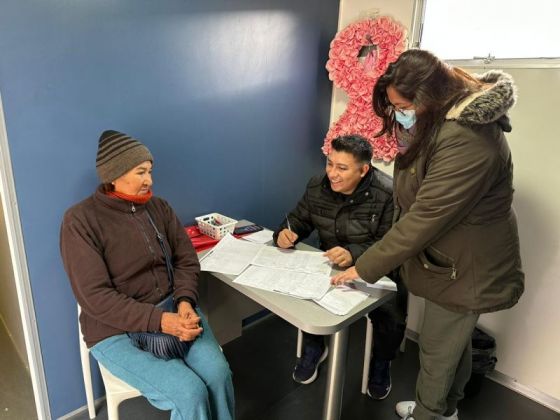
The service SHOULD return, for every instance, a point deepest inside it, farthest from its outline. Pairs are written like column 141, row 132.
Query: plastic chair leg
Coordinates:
column 299, row 343
column 86, row 371
column 112, row 408
column 367, row 354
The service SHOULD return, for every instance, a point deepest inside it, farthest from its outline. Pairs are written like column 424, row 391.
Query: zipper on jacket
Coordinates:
column 158, row 290
column 453, row 272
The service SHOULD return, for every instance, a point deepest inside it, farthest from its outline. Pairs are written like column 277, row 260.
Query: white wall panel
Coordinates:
column 528, row 336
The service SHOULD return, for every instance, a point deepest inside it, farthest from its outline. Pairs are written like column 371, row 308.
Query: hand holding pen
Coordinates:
column 287, row 238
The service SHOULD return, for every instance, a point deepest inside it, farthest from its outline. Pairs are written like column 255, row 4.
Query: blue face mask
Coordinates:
column 406, row 118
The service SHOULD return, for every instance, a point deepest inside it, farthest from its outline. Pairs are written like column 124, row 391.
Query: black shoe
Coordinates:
column 379, row 384
column 307, row 366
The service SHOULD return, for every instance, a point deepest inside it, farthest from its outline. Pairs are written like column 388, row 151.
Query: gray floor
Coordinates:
column 16, row 391
column 262, row 359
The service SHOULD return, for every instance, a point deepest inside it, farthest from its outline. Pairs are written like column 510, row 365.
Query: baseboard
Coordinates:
column 255, row 318
column 509, row 382
column 527, row 391
column 80, row 410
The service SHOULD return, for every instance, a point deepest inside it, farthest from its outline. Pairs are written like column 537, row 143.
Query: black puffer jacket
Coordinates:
column 353, row 222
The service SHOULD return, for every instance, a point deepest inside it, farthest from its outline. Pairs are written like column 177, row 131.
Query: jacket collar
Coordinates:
column 115, row 203
column 362, row 187
column 489, row 105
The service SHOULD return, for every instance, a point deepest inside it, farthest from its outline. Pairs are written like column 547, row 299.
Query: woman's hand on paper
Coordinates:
column 339, row 256
column 345, row 277
column 286, row 238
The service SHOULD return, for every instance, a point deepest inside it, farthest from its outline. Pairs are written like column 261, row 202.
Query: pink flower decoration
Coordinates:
column 357, row 79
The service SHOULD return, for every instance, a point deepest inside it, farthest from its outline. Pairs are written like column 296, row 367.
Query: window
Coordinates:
column 489, row 30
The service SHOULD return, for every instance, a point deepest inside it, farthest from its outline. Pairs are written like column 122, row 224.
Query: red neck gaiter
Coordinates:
column 136, row 199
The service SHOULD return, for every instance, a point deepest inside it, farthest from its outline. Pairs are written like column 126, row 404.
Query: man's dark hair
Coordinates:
column 357, row 146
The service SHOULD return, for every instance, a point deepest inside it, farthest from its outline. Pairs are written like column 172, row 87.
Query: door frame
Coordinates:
column 21, row 275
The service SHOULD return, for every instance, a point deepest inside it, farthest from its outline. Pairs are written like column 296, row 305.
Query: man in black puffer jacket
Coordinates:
column 351, row 207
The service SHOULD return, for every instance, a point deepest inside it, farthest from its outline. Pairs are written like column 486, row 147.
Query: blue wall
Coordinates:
column 231, row 97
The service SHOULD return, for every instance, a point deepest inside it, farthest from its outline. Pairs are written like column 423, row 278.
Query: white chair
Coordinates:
column 116, row 390
column 367, row 351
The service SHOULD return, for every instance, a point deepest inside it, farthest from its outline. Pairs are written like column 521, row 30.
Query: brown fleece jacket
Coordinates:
column 116, row 266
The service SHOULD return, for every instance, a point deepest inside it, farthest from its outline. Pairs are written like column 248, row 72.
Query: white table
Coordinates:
column 312, row 318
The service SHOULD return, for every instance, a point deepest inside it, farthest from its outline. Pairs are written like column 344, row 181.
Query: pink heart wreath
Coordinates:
column 383, row 40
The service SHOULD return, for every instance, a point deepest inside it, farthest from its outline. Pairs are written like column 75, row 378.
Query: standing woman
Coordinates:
column 117, row 265
column 456, row 232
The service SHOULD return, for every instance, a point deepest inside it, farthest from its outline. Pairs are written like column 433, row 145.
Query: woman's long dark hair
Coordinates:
column 431, row 85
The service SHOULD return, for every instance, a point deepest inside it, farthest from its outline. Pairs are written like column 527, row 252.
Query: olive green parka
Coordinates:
column 456, row 232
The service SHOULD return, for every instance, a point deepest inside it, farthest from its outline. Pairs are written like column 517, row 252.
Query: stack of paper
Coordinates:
column 383, row 283
column 297, row 284
column 302, row 274
column 230, row 256
column 342, row 300
column 290, row 259
column 261, row 237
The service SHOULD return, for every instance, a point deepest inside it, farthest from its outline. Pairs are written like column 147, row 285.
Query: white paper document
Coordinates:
column 261, row 237
column 230, row 256
column 295, row 260
column 341, row 300
column 296, row 284
column 383, row 283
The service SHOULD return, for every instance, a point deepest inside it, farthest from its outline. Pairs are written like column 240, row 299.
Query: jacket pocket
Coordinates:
column 437, row 262
column 434, row 275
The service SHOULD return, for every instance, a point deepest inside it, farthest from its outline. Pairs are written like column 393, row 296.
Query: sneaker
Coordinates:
column 405, row 408
column 379, row 384
column 454, row 416
column 307, row 366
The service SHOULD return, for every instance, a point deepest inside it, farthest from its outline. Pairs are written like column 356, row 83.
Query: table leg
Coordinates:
column 335, row 376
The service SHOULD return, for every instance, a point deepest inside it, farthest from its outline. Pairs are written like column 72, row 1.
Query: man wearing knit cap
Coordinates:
column 118, row 273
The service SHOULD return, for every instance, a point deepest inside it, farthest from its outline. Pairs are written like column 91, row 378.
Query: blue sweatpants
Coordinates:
column 198, row 387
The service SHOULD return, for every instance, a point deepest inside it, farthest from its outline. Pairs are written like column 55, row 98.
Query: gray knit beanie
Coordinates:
column 117, row 154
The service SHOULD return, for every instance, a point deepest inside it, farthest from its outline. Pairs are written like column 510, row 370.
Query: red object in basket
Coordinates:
column 199, row 240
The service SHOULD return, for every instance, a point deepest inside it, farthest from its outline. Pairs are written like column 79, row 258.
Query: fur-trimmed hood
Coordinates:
column 489, row 105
